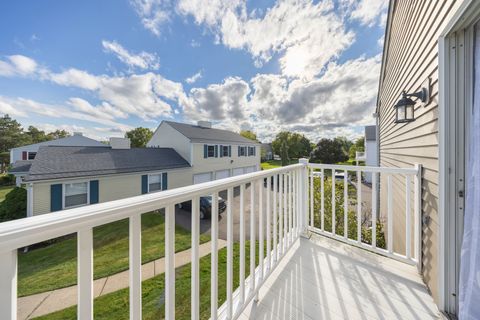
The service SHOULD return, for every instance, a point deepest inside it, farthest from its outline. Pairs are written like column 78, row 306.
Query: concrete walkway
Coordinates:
column 46, row 302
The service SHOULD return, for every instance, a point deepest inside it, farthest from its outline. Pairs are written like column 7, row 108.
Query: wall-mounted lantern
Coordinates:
column 405, row 107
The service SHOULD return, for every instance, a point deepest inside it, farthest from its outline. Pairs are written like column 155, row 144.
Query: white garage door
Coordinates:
column 202, row 177
column 249, row 169
column 222, row 174
column 237, row 171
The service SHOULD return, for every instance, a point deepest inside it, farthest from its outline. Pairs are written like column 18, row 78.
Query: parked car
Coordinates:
column 205, row 206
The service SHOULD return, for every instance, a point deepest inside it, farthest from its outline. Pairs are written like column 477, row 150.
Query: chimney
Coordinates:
column 119, row 143
column 204, row 124
column 78, row 134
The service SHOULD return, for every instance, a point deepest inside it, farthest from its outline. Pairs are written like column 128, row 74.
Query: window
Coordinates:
column 242, row 151
column 211, row 151
column 31, row 155
column 251, row 151
column 155, row 182
column 224, row 151
column 76, row 194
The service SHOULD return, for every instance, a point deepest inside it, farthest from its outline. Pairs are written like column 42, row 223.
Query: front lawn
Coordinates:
column 4, row 190
column 272, row 164
column 55, row 266
column 115, row 305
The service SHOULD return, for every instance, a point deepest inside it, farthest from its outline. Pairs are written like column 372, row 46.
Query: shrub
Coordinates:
column 15, row 205
column 7, row 180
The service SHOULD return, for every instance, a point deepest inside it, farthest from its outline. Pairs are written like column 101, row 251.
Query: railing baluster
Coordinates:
column 408, row 223
column 345, row 204
column 170, row 262
column 417, row 216
column 295, row 207
column 334, row 218
column 390, row 213
column 229, row 253
column 8, row 285
column 269, row 235
column 311, row 198
column 280, row 216
column 242, row 243
column 252, row 237
column 214, row 260
column 285, row 212
column 260, row 227
column 135, row 262
column 359, row 206
column 195, row 264
column 374, row 209
column 275, row 217
column 322, row 208
column 85, row 273
column 290, row 205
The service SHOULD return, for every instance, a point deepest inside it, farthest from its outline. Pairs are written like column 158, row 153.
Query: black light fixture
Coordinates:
column 405, row 107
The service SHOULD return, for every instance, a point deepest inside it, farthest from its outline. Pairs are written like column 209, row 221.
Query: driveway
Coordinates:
column 183, row 217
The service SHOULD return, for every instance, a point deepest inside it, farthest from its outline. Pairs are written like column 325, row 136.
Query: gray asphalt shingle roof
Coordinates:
column 21, row 166
column 54, row 162
column 202, row 134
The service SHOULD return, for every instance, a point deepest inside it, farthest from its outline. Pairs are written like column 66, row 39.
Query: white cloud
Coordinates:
column 153, row 13
column 75, row 78
column 194, row 77
column 17, row 65
column 142, row 60
column 102, row 111
column 209, row 12
column 368, row 11
column 380, row 41
column 7, row 108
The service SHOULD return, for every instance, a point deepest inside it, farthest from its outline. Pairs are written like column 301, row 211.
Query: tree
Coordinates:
column 58, row 134
column 346, row 144
column 291, row 145
column 11, row 133
column 35, row 135
column 249, row 135
column 359, row 146
column 139, row 137
column 15, row 205
column 328, row 151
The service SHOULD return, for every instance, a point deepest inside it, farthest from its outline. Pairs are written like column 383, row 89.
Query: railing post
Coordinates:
column 135, row 263
column 8, row 285
column 303, row 196
column 170, row 262
column 85, row 273
column 418, row 218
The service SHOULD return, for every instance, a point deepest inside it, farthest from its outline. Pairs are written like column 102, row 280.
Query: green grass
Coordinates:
column 55, row 266
column 272, row 164
column 4, row 190
column 115, row 305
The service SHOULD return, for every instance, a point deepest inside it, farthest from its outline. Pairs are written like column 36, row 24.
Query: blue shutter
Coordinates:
column 144, row 184
column 238, row 151
column 93, row 191
column 56, row 197
column 216, row 151
column 254, row 151
column 205, row 151
column 221, row 151
column 229, row 151
column 164, row 181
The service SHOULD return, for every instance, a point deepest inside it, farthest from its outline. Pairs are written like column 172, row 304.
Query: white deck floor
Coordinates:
column 322, row 278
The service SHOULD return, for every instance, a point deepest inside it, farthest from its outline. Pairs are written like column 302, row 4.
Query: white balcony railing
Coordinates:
column 285, row 209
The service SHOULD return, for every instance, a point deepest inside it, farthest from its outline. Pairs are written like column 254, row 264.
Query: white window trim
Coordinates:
column 211, row 145
column 221, row 150
column 161, row 181
column 29, row 152
column 80, row 205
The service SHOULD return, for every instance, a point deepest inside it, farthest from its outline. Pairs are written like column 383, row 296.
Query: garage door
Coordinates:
column 237, row 171
column 202, row 177
column 250, row 169
column 222, row 174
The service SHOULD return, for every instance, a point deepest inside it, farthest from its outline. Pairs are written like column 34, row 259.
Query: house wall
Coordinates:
column 113, row 187
column 203, row 165
column 371, row 157
column 167, row 137
column 410, row 57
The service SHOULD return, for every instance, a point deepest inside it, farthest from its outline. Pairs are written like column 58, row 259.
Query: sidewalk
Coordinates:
column 46, row 302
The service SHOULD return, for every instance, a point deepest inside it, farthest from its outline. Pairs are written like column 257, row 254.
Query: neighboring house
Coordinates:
column 371, row 156
column 21, row 157
column 267, row 151
column 212, row 153
column 65, row 177
column 430, row 45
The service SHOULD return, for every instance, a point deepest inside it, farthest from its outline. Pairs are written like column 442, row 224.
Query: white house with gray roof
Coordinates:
column 212, row 153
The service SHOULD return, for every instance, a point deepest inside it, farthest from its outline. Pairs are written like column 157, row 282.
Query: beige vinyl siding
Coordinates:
column 410, row 57
column 110, row 188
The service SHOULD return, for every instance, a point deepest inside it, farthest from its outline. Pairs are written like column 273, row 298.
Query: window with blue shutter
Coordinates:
column 229, row 151
column 164, row 181
column 238, row 154
column 205, row 151
column 56, row 197
column 216, row 151
column 93, row 191
column 144, row 184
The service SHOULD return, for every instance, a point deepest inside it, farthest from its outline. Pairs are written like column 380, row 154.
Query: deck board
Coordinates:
column 323, row 278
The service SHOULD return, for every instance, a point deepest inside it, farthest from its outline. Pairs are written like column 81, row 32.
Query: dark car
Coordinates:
column 205, row 206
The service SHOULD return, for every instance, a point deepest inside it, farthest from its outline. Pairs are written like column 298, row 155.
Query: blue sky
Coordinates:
column 103, row 67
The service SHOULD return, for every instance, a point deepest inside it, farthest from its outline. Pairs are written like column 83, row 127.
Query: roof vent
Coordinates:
column 78, row 134
column 205, row 124
column 119, row 143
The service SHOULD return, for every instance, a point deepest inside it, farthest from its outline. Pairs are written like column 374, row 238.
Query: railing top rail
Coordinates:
column 23, row 232
column 391, row 170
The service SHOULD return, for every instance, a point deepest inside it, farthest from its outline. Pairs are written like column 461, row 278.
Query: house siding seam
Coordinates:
column 411, row 56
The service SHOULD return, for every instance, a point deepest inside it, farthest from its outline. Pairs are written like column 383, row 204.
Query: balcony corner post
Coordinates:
column 8, row 285
column 303, row 207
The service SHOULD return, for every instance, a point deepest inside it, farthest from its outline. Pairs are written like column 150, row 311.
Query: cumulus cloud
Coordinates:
column 17, row 65
column 368, row 12
column 75, row 78
column 153, row 13
column 142, row 60
column 194, row 77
